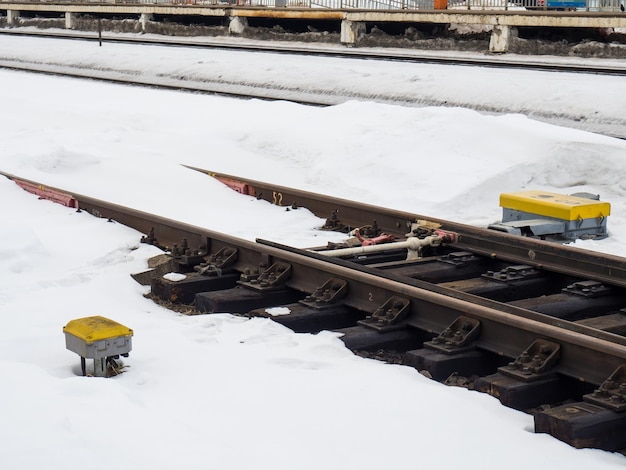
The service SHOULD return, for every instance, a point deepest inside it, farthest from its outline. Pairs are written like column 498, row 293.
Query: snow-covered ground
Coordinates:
column 222, row 392
column 595, row 104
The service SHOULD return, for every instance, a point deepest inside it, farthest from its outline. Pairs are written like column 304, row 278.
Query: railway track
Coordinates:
column 461, row 306
column 318, row 90
column 392, row 55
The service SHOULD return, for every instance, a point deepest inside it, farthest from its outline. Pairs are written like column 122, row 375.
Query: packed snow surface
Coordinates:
column 225, row 392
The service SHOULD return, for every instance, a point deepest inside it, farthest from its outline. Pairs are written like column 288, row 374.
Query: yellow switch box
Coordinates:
column 91, row 329
column 557, row 206
column 97, row 338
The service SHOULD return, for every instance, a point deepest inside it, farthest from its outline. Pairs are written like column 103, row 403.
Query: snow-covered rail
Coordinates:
column 258, row 84
column 530, row 335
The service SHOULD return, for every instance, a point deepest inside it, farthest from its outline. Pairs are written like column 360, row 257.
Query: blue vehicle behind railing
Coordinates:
column 562, row 4
column 569, row 4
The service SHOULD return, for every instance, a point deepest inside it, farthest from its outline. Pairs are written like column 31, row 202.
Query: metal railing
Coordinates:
column 562, row 5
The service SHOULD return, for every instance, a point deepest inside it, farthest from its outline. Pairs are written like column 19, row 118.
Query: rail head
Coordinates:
column 549, row 256
column 508, row 329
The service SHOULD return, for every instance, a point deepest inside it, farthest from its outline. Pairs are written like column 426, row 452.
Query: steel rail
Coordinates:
column 263, row 91
column 195, row 87
column 606, row 268
column 587, row 354
column 505, row 330
column 387, row 54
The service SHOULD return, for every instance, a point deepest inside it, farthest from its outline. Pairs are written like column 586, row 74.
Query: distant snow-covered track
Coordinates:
column 270, row 88
column 121, row 77
column 532, row 336
column 408, row 55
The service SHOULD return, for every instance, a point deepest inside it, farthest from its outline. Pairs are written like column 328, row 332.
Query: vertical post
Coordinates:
column 351, row 31
column 70, row 18
column 237, row 24
column 143, row 20
column 501, row 38
column 100, row 367
column 100, row 31
column 12, row 16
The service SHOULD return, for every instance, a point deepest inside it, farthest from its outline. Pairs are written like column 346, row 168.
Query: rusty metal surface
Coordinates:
column 496, row 245
column 506, row 330
column 587, row 354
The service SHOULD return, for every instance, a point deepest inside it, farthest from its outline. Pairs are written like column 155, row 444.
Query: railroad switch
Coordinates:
column 413, row 245
column 100, row 339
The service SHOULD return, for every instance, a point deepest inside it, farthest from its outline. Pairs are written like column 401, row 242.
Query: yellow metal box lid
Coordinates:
column 554, row 205
column 96, row 328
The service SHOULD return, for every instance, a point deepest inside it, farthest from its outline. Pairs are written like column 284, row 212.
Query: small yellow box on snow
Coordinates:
column 557, row 206
column 98, row 338
column 91, row 329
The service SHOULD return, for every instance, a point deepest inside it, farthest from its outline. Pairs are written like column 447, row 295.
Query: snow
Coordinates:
column 224, row 392
column 543, row 95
